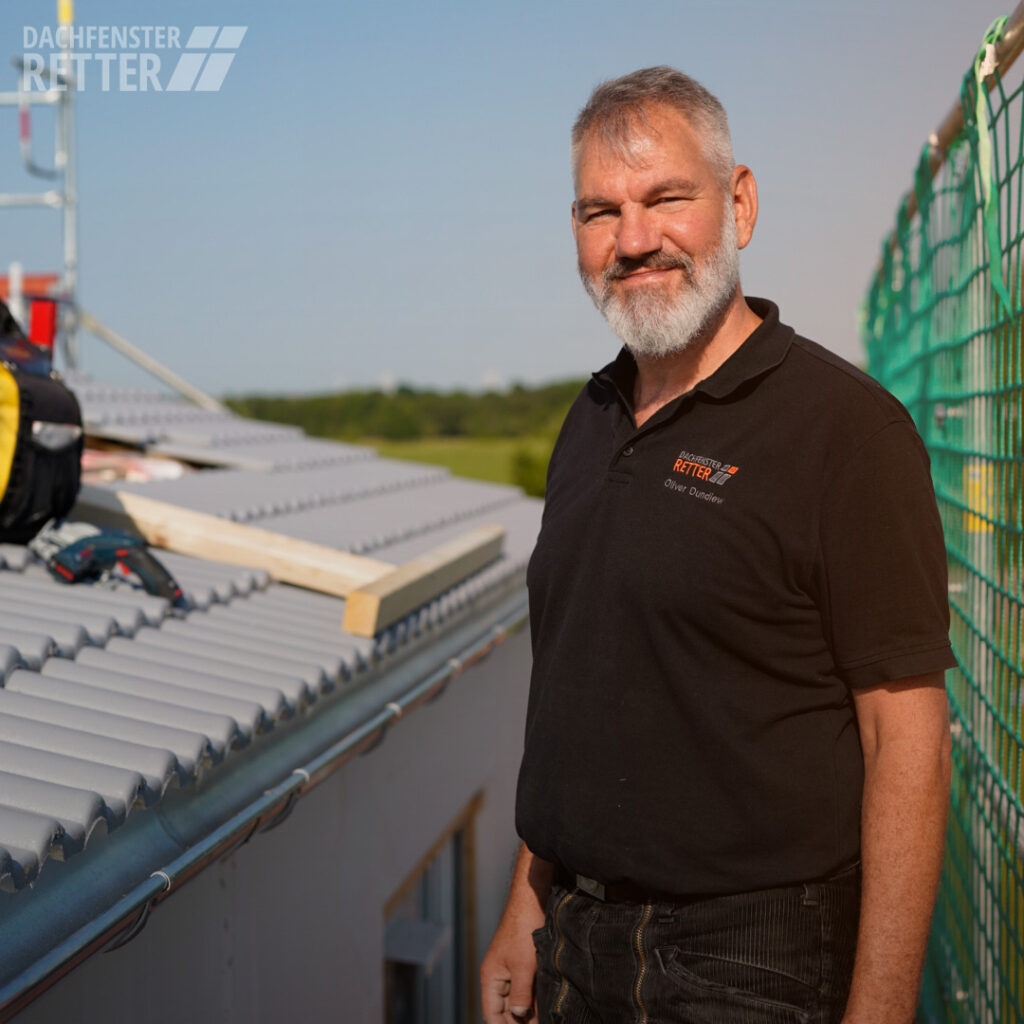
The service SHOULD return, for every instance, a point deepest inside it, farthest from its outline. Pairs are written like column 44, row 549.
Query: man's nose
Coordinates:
column 638, row 234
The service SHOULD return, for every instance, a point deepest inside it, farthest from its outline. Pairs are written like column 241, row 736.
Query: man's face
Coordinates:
column 656, row 235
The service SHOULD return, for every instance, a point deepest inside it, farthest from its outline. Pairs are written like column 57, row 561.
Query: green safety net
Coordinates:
column 942, row 326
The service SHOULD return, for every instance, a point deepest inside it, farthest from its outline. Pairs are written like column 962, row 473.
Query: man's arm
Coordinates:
column 508, row 969
column 904, row 733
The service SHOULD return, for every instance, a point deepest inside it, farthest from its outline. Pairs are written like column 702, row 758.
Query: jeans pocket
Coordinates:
column 730, row 991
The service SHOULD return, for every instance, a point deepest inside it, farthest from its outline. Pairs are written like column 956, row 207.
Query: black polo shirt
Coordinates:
column 705, row 591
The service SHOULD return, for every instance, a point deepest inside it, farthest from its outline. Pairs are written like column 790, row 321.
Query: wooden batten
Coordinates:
column 377, row 593
column 377, row 605
column 164, row 525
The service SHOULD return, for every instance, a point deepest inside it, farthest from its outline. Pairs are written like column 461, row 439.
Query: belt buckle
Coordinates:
column 590, row 886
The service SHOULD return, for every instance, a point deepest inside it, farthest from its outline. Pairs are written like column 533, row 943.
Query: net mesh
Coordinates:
column 942, row 327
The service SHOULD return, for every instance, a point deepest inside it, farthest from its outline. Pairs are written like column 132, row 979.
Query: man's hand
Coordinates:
column 508, row 969
column 904, row 732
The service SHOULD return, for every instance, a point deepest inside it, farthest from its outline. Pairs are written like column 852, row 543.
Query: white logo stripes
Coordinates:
column 222, row 44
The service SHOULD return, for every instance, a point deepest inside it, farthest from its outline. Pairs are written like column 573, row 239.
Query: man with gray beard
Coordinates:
column 653, row 324
column 734, row 784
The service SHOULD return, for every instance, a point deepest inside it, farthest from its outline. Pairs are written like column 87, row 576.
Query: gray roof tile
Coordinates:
column 66, row 599
column 227, row 581
column 247, row 494
column 198, row 673
column 120, row 788
column 32, row 648
column 173, row 427
column 296, row 633
column 192, row 749
column 252, row 646
column 227, row 719
column 112, row 596
column 366, row 526
column 27, row 838
column 328, row 646
column 265, row 608
column 521, row 521
column 68, row 636
column 156, row 766
column 78, row 811
column 297, row 601
column 240, row 655
column 298, row 682
column 219, row 731
column 99, row 628
column 305, row 452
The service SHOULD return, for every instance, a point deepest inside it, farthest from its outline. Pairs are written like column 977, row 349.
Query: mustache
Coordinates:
column 625, row 265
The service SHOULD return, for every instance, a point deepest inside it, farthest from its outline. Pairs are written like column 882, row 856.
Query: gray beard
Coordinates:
column 652, row 325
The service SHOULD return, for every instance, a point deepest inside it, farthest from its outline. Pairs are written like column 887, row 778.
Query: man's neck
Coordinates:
column 659, row 381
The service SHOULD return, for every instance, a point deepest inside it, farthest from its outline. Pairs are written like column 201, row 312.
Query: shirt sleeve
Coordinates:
column 882, row 562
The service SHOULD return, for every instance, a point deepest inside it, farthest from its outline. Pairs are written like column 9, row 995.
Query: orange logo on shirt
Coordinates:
column 710, row 470
column 688, row 468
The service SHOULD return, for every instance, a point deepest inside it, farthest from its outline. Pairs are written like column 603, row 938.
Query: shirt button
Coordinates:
column 628, row 450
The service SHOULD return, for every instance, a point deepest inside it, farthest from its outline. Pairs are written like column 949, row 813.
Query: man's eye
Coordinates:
column 671, row 199
column 599, row 213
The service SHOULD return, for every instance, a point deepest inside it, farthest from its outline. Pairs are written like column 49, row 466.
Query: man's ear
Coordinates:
column 743, row 192
column 572, row 214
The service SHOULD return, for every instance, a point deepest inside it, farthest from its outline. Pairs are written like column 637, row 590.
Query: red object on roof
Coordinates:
column 31, row 285
column 42, row 324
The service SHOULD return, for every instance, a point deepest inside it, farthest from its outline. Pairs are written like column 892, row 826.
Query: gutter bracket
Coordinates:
column 140, row 922
column 283, row 814
column 241, row 841
column 141, row 918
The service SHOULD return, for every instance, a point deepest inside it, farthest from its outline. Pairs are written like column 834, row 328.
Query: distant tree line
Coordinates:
column 409, row 413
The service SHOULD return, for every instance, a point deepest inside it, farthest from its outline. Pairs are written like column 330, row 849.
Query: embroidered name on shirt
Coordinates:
column 694, row 492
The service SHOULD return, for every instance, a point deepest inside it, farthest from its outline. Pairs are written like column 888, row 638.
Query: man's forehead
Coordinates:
column 641, row 142
column 637, row 149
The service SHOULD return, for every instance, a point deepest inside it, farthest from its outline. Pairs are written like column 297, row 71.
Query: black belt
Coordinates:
column 612, row 892
column 630, row 892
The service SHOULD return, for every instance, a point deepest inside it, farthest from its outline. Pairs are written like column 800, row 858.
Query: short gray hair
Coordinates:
column 617, row 108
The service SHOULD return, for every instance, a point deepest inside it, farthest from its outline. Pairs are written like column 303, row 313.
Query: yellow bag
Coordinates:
column 40, row 452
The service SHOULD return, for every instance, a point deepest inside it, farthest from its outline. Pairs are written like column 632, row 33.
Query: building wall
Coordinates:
column 290, row 927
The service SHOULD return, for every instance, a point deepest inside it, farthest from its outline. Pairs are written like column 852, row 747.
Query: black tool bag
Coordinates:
column 40, row 444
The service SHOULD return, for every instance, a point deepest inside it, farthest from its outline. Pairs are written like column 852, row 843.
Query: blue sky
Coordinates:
column 381, row 190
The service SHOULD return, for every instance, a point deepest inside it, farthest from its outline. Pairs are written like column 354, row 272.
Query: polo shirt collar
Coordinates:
column 762, row 351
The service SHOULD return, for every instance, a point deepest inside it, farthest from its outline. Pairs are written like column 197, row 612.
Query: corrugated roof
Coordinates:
column 109, row 696
column 168, row 426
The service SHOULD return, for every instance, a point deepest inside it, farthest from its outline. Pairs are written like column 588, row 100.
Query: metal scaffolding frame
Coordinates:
column 63, row 196
column 59, row 93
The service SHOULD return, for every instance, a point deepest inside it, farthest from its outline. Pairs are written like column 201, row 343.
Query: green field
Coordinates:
column 505, row 437
column 498, row 459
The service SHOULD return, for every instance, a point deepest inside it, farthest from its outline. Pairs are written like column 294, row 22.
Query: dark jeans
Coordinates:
column 779, row 956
